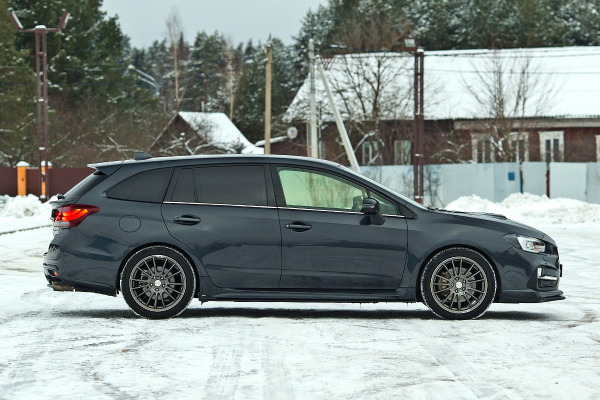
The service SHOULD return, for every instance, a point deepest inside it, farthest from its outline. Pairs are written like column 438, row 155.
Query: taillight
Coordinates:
column 72, row 215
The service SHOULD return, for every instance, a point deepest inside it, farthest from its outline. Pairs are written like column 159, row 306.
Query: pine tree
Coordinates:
column 17, row 101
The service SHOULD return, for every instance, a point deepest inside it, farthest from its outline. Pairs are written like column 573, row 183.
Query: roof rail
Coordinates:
column 141, row 155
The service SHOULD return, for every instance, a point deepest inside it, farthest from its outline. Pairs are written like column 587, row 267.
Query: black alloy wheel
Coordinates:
column 158, row 282
column 458, row 283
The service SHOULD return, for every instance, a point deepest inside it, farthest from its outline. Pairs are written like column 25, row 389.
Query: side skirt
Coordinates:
column 209, row 292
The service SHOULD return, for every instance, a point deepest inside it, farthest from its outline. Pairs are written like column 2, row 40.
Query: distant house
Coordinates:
column 199, row 133
column 469, row 96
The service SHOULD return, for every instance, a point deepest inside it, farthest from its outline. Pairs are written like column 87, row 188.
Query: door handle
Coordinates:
column 298, row 226
column 187, row 220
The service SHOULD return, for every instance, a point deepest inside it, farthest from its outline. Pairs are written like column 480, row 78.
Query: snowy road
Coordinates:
column 90, row 346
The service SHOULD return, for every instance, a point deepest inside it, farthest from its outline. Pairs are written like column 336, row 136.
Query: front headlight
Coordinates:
column 526, row 243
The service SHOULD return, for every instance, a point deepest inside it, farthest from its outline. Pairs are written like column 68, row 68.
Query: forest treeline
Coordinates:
column 103, row 107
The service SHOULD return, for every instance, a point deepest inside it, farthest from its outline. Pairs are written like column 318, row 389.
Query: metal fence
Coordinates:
column 61, row 180
column 445, row 183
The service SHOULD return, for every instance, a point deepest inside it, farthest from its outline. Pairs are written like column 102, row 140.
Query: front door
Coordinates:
column 222, row 214
column 327, row 242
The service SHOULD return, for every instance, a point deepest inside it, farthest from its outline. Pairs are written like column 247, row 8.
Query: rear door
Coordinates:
column 327, row 242
column 226, row 215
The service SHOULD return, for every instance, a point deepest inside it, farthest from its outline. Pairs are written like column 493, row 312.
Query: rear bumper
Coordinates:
column 530, row 296
column 68, row 268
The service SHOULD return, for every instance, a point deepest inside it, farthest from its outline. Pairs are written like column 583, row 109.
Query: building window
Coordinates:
column 402, row 152
column 552, row 146
column 323, row 150
column 519, row 144
column 481, row 148
column 369, row 153
column 598, row 148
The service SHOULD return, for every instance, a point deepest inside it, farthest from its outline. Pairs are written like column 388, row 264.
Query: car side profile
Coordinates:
column 163, row 231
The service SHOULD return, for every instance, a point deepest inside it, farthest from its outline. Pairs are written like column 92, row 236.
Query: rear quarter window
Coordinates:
column 147, row 186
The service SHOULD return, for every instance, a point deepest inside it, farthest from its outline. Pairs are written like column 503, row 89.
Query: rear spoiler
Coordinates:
column 107, row 168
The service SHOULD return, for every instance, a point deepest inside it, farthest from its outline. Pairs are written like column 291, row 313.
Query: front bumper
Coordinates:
column 530, row 296
column 529, row 277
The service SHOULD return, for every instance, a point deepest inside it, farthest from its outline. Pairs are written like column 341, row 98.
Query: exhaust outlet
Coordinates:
column 61, row 287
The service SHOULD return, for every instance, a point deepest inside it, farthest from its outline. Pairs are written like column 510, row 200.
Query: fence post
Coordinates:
column 22, row 178
column 44, row 190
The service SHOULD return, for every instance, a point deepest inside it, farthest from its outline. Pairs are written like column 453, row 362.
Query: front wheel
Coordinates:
column 458, row 283
column 158, row 282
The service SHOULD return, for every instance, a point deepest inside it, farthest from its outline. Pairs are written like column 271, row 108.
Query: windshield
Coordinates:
column 375, row 183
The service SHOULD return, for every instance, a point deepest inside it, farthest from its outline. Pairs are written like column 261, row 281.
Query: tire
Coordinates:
column 458, row 284
column 158, row 282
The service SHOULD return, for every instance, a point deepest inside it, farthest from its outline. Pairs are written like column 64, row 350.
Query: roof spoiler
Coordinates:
column 107, row 168
column 141, row 155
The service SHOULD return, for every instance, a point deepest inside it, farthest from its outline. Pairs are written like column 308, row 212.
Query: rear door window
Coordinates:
column 231, row 184
column 148, row 186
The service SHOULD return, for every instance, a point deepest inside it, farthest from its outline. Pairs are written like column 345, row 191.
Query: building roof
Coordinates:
column 563, row 83
column 222, row 131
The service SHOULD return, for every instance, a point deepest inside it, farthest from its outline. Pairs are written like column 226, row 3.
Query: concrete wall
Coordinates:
column 447, row 182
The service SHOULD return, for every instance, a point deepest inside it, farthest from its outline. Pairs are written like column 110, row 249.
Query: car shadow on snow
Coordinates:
column 243, row 312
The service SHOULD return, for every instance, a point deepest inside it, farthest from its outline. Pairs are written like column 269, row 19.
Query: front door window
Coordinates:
column 318, row 190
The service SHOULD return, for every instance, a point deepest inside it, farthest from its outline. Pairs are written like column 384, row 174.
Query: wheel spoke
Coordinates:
column 446, row 279
column 475, row 290
column 176, row 291
column 479, row 280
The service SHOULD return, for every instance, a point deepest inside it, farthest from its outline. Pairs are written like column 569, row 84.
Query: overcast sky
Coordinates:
column 144, row 20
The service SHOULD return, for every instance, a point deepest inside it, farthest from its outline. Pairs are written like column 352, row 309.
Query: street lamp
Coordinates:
column 418, row 130
column 41, row 83
column 149, row 79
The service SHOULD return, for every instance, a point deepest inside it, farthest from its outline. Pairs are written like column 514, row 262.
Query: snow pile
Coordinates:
column 23, row 206
column 531, row 208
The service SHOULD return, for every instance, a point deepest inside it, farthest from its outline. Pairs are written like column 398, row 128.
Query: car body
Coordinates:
column 281, row 228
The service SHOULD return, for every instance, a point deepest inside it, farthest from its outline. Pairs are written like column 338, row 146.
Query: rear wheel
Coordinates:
column 458, row 283
column 158, row 282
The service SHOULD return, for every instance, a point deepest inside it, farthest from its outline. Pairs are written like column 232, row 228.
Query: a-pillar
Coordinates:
column 22, row 178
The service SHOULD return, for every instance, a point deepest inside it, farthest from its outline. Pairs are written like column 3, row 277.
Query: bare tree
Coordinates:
column 374, row 87
column 509, row 90
column 175, row 36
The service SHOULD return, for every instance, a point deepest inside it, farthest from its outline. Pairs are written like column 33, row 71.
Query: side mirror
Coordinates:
column 371, row 208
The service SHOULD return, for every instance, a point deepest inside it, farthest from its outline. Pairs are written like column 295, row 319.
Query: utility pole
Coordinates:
column 314, row 140
column 338, row 121
column 419, row 130
column 268, row 102
column 41, row 83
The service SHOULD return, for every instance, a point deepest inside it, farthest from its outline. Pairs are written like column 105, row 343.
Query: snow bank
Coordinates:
column 23, row 206
column 532, row 209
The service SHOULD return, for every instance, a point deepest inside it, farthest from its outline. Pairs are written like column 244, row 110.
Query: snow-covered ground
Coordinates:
column 82, row 345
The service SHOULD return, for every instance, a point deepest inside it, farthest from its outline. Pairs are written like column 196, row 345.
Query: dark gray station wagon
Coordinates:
column 272, row 228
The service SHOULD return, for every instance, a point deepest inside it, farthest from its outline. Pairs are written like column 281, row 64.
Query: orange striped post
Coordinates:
column 22, row 178
column 43, row 191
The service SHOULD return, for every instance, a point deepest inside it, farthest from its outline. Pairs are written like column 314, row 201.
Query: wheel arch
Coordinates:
column 451, row 246
column 168, row 245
